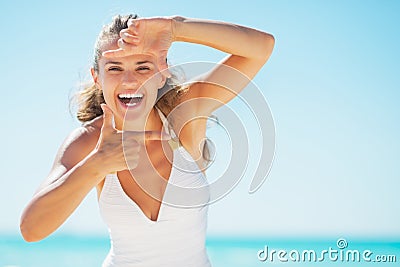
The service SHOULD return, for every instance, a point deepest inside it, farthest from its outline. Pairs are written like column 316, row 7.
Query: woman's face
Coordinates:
column 129, row 84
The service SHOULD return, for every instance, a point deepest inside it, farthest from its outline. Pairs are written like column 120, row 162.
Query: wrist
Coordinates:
column 176, row 27
column 95, row 163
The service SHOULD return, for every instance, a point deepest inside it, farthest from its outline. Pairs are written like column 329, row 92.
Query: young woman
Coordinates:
column 124, row 147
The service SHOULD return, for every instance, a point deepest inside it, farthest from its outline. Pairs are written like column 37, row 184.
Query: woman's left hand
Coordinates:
column 151, row 36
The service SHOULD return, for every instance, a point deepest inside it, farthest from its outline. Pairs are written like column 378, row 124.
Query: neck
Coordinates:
column 150, row 123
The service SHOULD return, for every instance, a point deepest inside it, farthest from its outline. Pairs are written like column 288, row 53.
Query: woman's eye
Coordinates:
column 114, row 69
column 143, row 68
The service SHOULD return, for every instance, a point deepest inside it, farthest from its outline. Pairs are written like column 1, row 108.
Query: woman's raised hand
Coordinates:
column 120, row 150
column 151, row 36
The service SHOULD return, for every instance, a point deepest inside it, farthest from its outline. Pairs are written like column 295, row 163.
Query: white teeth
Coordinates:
column 130, row 95
column 131, row 104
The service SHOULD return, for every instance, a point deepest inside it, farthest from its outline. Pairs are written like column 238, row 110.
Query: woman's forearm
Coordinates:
column 54, row 203
column 230, row 38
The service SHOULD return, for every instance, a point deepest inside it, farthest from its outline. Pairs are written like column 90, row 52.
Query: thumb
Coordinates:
column 107, row 118
column 115, row 53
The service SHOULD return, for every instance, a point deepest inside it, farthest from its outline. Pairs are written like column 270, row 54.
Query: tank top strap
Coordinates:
column 174, row 142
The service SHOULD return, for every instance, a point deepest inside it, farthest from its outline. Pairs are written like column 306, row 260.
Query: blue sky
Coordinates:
column 332, row 84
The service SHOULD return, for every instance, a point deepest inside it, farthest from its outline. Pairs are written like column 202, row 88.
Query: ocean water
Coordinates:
column 65, row 251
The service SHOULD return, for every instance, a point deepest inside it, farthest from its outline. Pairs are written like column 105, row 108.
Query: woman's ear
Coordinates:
column 162, row 82
column 163, row 89
column 95, row 77
column 165, row 73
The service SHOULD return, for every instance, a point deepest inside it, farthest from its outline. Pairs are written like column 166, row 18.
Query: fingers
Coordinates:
column 115, row 53
column 108, row 117
column 132, row 26
column 127, row 43
column 129, row 38
column 124, row 50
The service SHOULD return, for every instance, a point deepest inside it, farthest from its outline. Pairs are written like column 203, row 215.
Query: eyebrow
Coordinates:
column 120, row 63
column 143, row 62
column 113, row 62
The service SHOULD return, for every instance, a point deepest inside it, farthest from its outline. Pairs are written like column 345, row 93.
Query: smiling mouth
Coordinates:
column 130, row 100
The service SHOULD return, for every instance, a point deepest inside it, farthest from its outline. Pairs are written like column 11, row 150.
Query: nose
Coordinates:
column 129, row 80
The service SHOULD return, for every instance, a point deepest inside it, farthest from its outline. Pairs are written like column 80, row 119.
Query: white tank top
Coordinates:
column 178, row 236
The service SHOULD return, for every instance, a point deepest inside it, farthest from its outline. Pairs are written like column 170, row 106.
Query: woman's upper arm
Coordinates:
column 212, row 90
column 225, row 80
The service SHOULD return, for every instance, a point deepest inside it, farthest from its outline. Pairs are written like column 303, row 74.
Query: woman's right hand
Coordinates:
column 151, row 36
column 119, row 150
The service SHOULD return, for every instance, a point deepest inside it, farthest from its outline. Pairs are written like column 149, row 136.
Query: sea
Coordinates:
column 89, row 251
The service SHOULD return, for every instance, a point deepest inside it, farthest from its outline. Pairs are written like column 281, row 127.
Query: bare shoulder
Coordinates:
column 79, row 143
column 76, row 146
